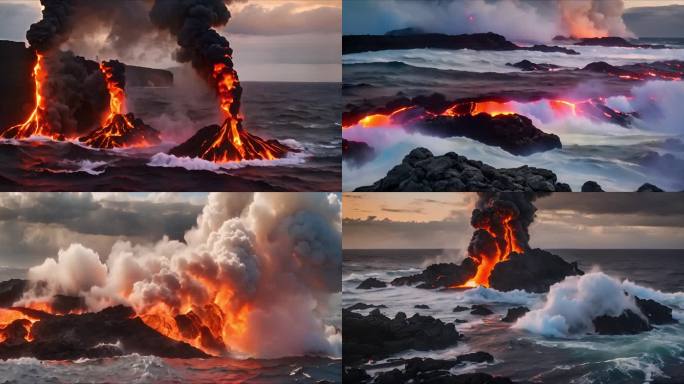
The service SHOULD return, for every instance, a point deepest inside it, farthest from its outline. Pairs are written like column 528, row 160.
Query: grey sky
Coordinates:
column 273, row 40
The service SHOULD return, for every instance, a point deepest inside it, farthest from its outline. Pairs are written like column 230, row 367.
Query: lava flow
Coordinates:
column 36, row 124
column 118, row 128
column 500, row 223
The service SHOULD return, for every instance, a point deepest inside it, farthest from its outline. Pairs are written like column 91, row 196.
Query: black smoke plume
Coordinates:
column 55, row 26
column 116, row 72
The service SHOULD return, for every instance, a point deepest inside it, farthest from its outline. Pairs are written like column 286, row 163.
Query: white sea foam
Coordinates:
column 195, row 164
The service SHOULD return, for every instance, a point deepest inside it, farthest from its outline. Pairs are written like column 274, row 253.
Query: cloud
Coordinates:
column 656, row 21
column 286, row 19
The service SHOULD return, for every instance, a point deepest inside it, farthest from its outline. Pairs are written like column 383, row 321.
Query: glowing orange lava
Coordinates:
column 35, row 125
column 486, row 263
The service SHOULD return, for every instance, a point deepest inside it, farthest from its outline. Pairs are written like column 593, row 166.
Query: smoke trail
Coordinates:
column 258, row 272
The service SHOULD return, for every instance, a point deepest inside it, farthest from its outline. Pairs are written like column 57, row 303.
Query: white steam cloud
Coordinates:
column 277, row 253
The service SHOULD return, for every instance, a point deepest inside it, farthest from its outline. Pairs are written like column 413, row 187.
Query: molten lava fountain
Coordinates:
column 36, row 124
column 501, row 221
column 119, row 129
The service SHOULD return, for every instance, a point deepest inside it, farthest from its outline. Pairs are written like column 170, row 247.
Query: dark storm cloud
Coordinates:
column 656, row 21
column 646, row 205
column 83, row 214
column 285, row 20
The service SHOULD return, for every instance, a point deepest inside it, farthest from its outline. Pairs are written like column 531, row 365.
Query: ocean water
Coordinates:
column 607, row 153
column 653, row 357
column 304, row 116
column 150, row 369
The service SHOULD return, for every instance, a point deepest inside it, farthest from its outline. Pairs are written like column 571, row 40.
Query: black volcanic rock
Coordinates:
column 355, row 375
column 440, row 376
column 65, row 304
column 533, row 271
column 591, row 186
column 11, row 291
column 527, row 65
column 656, row 313
column 441, row 275
column 122, row 131
column 628, row 323
column 376, row 336
column 417, row 365
column 421, row 171
column 371, row 283
column 477, row 41
column 410, row 38
column 480, row 310
column 421, row 306
column 514, row 314
column 603, row 67
column 614, row 41
column 511, row 132
column 357, row 153
column 647, row 187
column 460, row 308
column 113, row 331
column 365, row 306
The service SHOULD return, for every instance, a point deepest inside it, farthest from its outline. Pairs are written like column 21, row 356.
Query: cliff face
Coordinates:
column 17, row 96
column 16, row 84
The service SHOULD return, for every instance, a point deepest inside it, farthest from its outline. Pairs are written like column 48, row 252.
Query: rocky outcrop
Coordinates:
column 628, row 323
column 514, row 314
column 113, row 331
column 614, row 41
column 527, row 65
column 421, row 306
column 480, row 310
column 376, row 336
column 535, row 270
column 11, row 291
column 647, row 187
column 591, row 186
column 361, row 306
column 513, row 133
column 371, row 283
column 655, row 312
column 357, row 153
column 441, row 275
column 421, row 171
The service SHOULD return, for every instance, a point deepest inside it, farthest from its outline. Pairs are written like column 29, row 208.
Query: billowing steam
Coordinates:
column 254, row 276
column 575, row 18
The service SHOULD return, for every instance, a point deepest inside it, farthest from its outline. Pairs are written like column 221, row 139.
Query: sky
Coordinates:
column 515, row 19
column 273, row 40
column 563, row 220
column 34, row 226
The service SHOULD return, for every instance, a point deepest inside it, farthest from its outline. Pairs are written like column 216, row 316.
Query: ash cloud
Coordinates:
column 272, row 262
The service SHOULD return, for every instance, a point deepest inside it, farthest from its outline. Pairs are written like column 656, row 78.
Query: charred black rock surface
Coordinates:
column 111, row 332
column 514, row 314
column 441, row 275
column 656, row 313
column 357, row 153
column 11, row 291
column 371, row 283
column 480, row 310
column 628, row 323
column 376, row 336
column 533, row 271
column 460, row 308
column 415, row 39
column 527, row 65
column 421, row 171
column 614, row 41
column 122, row 131
column 591, row 186
column 511, row 132
column 421, row 306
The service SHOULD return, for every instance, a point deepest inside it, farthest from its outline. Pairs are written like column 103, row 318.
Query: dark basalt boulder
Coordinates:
column 358, row 306
column 533, row 271
column 550, row 48
column 527, row 65
column 11, row 291
column 591, row 186
column 603, row 67
column 628, row 323
column 113, row 331
column 480, row 310
column 376, row 336
column 656, row 313
column 418, row 365
column 371, row 283
column 511, row 132
column 355, row 375
column 421, row 171
column 421, row 306
column 647, row 187
column 460, row 308
column 440, row 275
column 514, row 314
column 357, row 153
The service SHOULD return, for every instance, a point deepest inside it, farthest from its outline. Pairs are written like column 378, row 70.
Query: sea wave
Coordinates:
column 196, row 164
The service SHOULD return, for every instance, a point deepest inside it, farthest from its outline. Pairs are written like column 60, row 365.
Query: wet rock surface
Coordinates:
column 371, row 283
column 441, row 275
column 514, row 314
column 628, row 323
column 113, row 331
column 357, row 153
column 535, row 270
column 480, row 310
column 656, row 313
column 527, row 65
column 376, row 336
column 361, row 306
column 421, row 171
